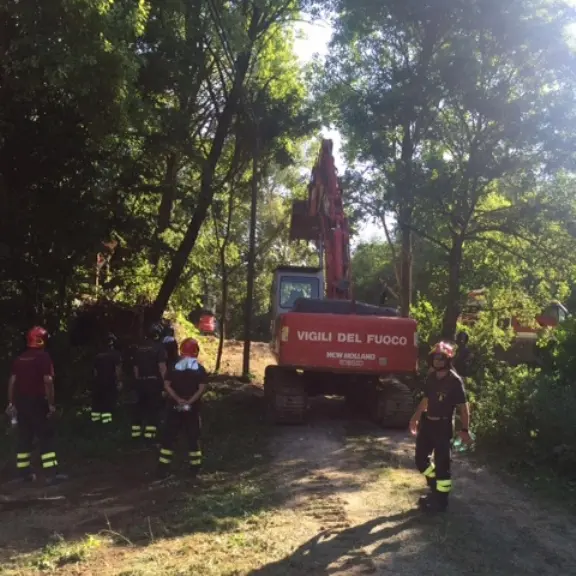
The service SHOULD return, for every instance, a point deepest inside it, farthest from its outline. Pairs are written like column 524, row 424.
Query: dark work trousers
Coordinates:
column 177, row 421
column 104, row 396
column 34, row 423
column 435, row 436
column 148, row 408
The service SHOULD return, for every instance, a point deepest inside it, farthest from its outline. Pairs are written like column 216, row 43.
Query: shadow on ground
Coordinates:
column 328, row 553
column 111, row 489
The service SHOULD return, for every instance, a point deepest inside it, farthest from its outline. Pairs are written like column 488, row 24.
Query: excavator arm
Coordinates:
column 321, row 218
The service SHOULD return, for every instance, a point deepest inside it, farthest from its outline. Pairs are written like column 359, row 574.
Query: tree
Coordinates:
column 65, row 96
column 380, row 87
column 498, row 131
column 242, row 43
column 446, row 108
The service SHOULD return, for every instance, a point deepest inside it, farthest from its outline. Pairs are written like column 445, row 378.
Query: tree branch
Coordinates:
column 434, row 241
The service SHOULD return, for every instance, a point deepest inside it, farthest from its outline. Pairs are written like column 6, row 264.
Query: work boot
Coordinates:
column 432, row 487
column 162, row 473
column 56, row 478
column 436, row 502
column 26, row 477
column 424, row 500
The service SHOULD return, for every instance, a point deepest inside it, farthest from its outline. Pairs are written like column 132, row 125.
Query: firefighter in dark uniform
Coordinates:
column 443, row 391
column 170, row 345
column 384, row 295
column 185, row 385
column 107, row 380
column 149, row 373
column 31, row 400
column 464, row 356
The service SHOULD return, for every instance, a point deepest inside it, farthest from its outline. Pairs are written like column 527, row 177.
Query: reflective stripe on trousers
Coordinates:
column 49, row 460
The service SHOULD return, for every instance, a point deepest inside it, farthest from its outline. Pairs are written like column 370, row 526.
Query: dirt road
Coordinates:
column 356, row 483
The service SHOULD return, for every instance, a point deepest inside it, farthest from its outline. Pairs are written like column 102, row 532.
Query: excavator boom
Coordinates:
column 322, row 219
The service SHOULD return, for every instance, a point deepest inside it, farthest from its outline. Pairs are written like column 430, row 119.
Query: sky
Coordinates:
column 315, row 41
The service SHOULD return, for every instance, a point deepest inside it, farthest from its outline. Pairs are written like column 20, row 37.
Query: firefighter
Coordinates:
column 31, row 400
column 185, row 386
column 170, row 345
column 443, row 392
column 464, row 357
column 107, row 380
column 384, row 295
column 149, row 373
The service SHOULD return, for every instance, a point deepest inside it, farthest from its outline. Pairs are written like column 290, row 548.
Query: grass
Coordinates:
column 260, row 357
column 229, row 518
column 541, row 481
column 235, row 521
column 62, row 553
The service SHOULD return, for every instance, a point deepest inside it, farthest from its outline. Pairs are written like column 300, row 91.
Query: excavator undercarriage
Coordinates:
column 389, row 402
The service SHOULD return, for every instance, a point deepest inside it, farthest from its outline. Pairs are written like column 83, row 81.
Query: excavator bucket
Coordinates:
column 302, row 225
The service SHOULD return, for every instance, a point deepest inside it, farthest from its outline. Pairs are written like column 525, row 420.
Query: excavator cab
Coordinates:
column 553, row 315
column 292, row 283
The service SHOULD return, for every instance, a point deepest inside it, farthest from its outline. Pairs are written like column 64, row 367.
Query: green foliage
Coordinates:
column 372, row 263
column 442, row 110
column 429, row 322
column 457, row 124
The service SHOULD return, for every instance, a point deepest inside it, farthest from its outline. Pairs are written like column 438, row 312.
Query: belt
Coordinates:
column 149, row 378
column 437, row 418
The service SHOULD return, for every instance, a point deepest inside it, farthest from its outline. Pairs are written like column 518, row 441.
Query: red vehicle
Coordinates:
column 334, row 345
column 524, row 349
column 207, row 324
column 551, row 316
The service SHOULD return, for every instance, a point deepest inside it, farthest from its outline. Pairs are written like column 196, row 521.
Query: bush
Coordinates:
column 526, row 411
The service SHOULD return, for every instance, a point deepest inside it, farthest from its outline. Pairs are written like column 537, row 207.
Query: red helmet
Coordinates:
column 36, row 337
column 444, row 348
column 189, row 347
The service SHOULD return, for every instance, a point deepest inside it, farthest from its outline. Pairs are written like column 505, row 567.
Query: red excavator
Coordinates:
column 524, row 348
column 325, row 342
column 550, row 317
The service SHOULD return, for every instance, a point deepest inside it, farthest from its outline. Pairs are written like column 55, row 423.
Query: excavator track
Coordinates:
column 394, row 404
column 286, row 398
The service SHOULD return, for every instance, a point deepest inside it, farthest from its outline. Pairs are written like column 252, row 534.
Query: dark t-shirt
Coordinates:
column 105, row 364
column 171, row 347
column 147, row 357
column 186, row 382
column 463, row 361
column 30, row 368
column 444, row 394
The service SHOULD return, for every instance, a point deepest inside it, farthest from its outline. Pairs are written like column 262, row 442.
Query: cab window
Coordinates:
column 294, row 287
column 553, row 312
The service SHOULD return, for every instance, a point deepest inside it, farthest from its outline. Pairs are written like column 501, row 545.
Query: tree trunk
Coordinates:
column 405, row 213
column 223, row 316
column 405, row 262
column 166, row 203
column 453, row 305
column 206, row 190
column 251, row 261
column 224, row 271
